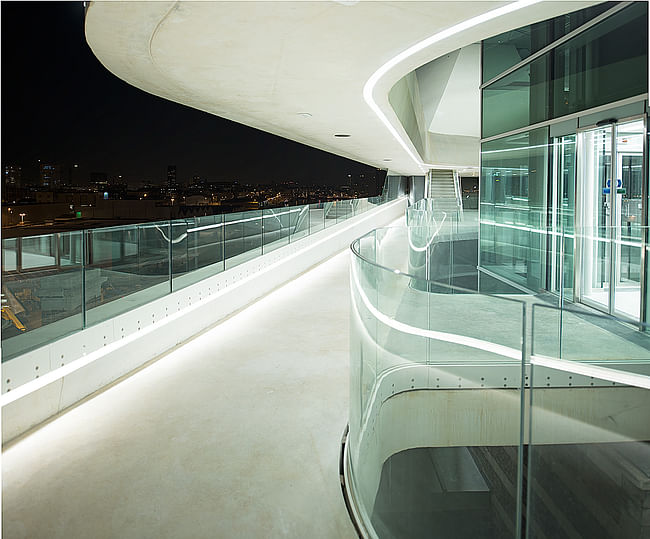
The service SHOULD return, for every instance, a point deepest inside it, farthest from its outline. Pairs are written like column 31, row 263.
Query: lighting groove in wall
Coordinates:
column 369, row 87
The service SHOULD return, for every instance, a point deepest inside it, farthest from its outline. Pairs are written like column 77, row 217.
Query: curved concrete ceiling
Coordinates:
column 263, row 64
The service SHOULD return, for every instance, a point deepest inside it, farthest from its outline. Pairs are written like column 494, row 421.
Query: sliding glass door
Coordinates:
column 611, row 183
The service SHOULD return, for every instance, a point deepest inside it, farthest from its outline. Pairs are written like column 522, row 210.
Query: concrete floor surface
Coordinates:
column 234, row 434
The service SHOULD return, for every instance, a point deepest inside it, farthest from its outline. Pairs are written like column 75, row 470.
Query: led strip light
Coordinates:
column 478, row 344
column 369, row 87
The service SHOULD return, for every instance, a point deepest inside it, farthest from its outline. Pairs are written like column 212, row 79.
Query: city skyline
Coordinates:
column 61, row 106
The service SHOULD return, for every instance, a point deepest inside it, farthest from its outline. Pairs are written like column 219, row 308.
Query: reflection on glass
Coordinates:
column 197, row 249
column 563, row 216
column 508, row 49
column 513, row 207
column 122, row 272
column 612, row 205
column 43, row 283
column 563, row 80
column 41, row 302
column 420, row 378
column 517, row 100
column 299, row 222
column 591, row 61
column 242, row 236
column 316, row 217
column 589, row 455
column 277, row 228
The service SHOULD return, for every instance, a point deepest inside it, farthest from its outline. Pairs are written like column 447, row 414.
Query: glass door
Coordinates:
column 611, row 172
column 596, row 216
column 563, row 215
column 628, row 228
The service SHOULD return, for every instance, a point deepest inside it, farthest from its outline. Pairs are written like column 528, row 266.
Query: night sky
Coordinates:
column 59, row 104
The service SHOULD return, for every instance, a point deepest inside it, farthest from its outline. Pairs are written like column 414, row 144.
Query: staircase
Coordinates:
column 442, row 188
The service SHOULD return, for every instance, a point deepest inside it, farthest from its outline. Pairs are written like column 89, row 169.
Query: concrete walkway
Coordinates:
column 235, row 434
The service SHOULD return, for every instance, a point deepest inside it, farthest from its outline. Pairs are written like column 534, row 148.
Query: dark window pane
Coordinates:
column 603, row 64
column 505, row 50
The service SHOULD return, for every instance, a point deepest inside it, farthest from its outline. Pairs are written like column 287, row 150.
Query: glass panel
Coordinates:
column 345, row 210
column 517, row 100
column 330, row 209
column 628, row 229
column 198, row 249
column 422, row 383
column 299, row 218
column 589, row 453
column 316, row 217
column 9, row 254
column 505, row 50
column 276, row 228
column 40, row 302
column 603, row 64
column 647, row 230
column 584, row 470
column 38, row 251
column 596, row 174
column 513, row 207
column 179, row 246
column 242, row 236
column 585, row 72
column 122, row 272
column 562, row 236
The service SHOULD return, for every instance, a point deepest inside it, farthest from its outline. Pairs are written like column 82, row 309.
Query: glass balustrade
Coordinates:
column 57, row 284
column 485, row 411
column 588, row 462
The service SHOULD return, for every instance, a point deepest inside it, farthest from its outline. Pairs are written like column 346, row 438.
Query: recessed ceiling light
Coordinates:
column 304, row 114
column 388, row 159
column 342, row 135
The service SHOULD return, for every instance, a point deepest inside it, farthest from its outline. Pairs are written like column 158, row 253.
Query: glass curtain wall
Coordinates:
column 513, row 207
column 532, row 184
column 505, row 50
column 603, row 64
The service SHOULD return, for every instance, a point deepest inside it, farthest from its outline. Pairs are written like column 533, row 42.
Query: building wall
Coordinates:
column 537, row 110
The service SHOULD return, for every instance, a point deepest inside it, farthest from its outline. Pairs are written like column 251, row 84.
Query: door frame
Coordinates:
column 579, row 223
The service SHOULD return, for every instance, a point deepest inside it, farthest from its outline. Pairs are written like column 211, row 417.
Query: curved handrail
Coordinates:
column 354, row 247
column 453, row 338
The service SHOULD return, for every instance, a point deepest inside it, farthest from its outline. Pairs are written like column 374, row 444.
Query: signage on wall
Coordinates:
column 620, row 190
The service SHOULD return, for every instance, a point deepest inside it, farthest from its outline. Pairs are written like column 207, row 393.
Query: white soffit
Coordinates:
column 262, row 63
column 459, row 109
